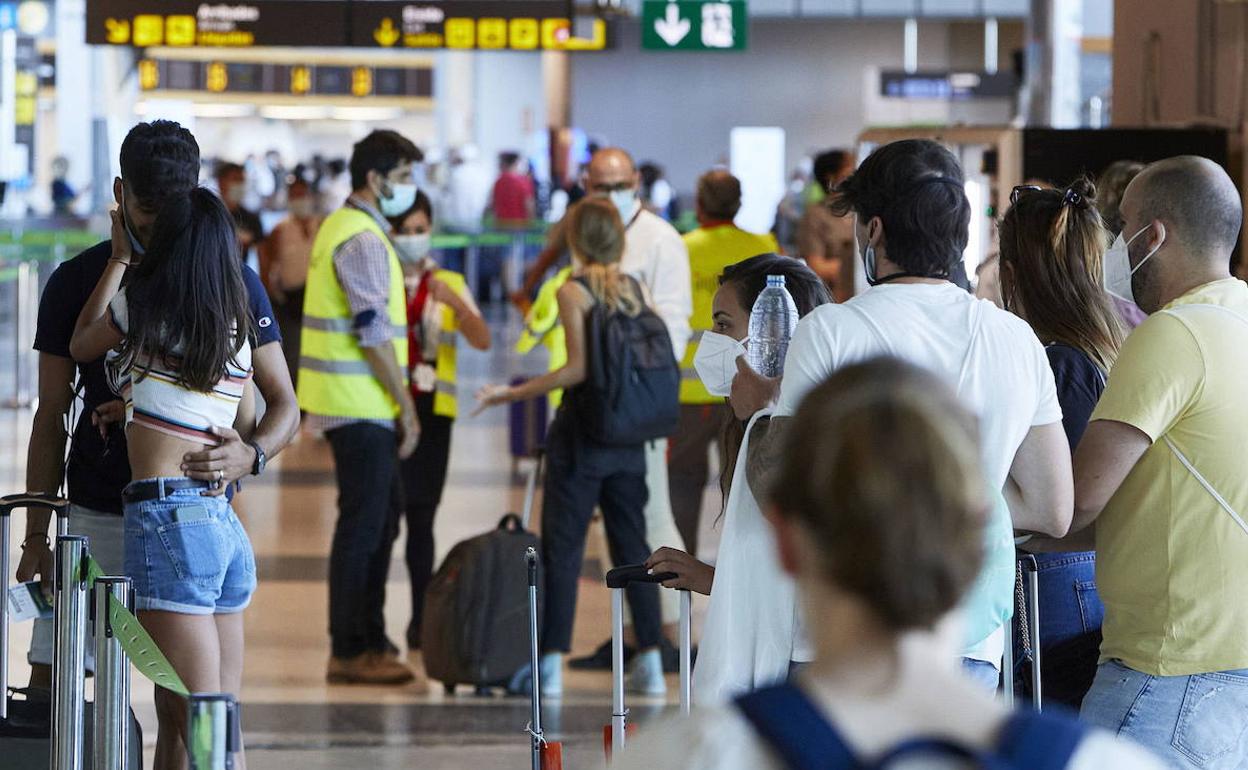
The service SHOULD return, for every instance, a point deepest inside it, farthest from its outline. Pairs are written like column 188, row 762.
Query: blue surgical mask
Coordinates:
column 399, row 201
column 625, row 202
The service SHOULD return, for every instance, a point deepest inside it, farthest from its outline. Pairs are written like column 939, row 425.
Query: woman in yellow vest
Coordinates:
column 439, row 308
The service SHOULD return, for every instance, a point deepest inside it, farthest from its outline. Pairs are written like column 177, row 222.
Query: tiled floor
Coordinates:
column 291, row 717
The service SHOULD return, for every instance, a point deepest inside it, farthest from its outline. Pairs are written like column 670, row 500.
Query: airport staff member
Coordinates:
column 713, row 246
column 352, row 384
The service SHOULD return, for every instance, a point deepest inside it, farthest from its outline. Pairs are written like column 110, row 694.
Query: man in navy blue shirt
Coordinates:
column 158, row 159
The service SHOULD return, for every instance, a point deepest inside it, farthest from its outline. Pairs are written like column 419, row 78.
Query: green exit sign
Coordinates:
column 692, row 25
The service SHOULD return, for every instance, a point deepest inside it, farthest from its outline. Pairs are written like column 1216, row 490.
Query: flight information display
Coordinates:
column 234, row 77
column 515, row 25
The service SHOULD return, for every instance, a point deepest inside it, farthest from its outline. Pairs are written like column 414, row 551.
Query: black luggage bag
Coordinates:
column 476, row 606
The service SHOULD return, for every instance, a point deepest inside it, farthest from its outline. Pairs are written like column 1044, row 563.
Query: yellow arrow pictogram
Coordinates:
column 387, row 34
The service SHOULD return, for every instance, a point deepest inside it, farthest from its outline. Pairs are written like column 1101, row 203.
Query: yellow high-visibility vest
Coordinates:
column 335, row 379
column 542, row 325
column 711, row 249
column 444, row 391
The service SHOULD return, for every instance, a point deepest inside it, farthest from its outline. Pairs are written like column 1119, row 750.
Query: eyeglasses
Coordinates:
column 1069, row 198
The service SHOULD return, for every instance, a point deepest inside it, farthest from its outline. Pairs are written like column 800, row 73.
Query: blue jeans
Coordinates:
column 982, row 673
column 1070, row 628
column 1198, row 721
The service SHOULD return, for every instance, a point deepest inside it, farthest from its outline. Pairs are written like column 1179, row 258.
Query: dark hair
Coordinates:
column 881, row 468
column 187, row 294
column 915, row 187
column 827, row 165
column 381, row 151
column 1052, row 244
column 422, row 203
column 719, row 195
column 508, row 158
column 336, row 166
column 159, row 160
column 228, row 168
column 1112, row 183
column 748, row 278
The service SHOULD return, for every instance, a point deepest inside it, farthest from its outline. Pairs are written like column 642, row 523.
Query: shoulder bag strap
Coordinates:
column 1182, row 458
column 795, row 730
column 1039, row 741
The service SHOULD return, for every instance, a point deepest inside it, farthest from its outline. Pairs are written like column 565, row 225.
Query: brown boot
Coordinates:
column 368, row 668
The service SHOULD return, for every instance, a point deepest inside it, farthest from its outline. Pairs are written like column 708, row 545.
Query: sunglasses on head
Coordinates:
column 1069, row 198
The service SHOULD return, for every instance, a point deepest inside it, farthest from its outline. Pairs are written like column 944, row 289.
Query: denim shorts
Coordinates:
column 188, row 553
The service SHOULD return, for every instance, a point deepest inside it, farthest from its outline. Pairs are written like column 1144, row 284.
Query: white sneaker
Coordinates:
column 645, row 675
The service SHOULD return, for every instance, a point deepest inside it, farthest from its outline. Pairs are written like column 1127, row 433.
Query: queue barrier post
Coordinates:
column 214, row 732
column 68, row 665
column 111, row 745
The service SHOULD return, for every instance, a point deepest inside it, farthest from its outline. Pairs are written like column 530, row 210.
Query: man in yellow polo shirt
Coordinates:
column 713, row 246
column 1160, row 472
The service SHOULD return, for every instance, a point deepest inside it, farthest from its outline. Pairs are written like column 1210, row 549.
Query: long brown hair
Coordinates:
column 596, row 236
column 748, row 278
column 1052, row 247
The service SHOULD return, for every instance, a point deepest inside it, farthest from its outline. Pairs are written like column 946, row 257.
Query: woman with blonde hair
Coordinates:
column 1052, row 245
column 879, row 509
column 583, row 472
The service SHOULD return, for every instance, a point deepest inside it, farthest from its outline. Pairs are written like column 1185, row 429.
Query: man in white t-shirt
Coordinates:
column 911, row 219
column 655, row 255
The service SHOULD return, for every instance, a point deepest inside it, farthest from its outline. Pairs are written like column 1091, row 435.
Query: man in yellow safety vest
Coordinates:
column 353, row 386
column 713, row 246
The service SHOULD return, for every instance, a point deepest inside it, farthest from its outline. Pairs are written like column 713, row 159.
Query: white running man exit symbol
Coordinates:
column 717, row 31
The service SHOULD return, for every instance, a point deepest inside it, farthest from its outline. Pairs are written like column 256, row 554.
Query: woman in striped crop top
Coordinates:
column 177, row 336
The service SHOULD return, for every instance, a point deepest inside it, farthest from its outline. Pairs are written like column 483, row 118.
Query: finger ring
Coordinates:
column 220, row 476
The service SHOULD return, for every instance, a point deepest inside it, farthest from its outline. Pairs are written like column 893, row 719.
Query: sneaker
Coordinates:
column 645, row 675
column 368, row 668
column 599, row 659
column 420, row 680
column 550, row 666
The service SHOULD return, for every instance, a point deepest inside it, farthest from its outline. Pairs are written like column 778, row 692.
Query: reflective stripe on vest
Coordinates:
column 335, row 379
column 444, row 390
column 341, row 325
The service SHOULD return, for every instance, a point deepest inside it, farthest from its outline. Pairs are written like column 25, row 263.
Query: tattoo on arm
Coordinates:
column 763, row 462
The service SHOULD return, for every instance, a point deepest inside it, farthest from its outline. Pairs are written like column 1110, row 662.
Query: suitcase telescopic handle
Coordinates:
column 530, row 557
column 10, row 503
column 620, row 577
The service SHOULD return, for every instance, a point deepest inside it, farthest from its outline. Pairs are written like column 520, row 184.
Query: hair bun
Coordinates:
column 1082, row 193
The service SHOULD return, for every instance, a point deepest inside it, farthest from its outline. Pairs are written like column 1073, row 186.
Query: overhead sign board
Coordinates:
column 693, row 25
column 945, row 86
column 240, row 77
column 517, row 25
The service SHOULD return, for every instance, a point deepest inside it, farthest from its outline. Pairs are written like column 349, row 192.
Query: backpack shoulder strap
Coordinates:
column 1040, row 741
column 791, row 725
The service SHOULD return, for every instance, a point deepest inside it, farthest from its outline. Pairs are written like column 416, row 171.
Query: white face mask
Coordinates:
column 716, row 362
column 400, row 199
column 301, row 208
column 1118, row 270
column 626, row 203
column 412, row 249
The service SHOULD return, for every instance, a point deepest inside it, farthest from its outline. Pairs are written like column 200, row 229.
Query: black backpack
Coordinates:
column 631, row 392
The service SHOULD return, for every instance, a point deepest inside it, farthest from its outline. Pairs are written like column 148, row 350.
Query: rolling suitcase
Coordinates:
column 527, row 422
column 26, row 721
column 1027, row 611
column 475, row 609
column 614, row 734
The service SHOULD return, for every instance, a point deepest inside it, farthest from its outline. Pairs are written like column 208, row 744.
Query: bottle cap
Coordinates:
column 775, row 280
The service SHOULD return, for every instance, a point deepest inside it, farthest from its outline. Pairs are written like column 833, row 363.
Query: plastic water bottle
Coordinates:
column 772, row 320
